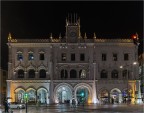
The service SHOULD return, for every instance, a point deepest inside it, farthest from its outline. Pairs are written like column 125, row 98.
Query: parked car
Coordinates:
column 16, row 105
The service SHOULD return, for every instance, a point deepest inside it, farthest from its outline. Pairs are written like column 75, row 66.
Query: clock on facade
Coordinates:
column 73, row 34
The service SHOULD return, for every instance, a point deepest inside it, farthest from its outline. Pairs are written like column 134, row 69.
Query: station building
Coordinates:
column 58, row 69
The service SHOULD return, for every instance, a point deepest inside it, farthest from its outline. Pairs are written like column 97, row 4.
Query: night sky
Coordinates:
column 39, row 19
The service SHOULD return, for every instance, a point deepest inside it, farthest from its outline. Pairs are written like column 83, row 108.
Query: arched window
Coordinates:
column 64, row 74
column 114, row 74
column 124, row 74
column 42, row 73
column 20, row 73
column 31, row 73
column 82, row 74
column 103, row 74
column 73, row 73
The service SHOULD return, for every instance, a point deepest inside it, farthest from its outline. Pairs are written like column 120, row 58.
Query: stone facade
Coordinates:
column 59, row 69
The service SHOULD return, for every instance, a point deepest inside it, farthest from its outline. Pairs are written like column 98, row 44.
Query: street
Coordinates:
column 82, row 109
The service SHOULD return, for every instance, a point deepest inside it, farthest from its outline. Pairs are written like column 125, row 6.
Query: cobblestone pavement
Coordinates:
column 82, row 109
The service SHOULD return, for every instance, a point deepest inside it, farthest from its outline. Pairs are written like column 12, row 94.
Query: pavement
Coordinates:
column 93, row 108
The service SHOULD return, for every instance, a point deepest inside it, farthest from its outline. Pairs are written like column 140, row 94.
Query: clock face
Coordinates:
column 73, row 34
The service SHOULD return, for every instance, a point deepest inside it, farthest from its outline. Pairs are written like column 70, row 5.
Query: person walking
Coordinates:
column 6, row 106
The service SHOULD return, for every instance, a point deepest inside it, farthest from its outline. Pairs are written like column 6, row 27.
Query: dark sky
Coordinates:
column 39, row 19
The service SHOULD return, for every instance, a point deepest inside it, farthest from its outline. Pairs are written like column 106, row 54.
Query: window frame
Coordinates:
column 30, row 53
column 82, row 58
column 73, row 57
column 104, row 56
column 63, row 56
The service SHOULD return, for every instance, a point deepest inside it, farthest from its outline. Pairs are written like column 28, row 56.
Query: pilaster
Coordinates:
column 9, row 88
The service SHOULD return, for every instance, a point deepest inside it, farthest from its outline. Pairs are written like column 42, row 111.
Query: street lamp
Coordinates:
column 26, row 99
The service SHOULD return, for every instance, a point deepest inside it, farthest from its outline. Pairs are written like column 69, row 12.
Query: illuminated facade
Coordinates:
column 74, row 66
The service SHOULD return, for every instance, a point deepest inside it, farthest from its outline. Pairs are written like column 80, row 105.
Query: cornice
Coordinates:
column 29, row 81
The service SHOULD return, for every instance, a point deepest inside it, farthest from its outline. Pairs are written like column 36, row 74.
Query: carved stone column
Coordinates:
column 37, row 75
column 25, row 75
column 9, row 88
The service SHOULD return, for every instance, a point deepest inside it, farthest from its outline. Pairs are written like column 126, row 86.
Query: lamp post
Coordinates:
column 26, row 99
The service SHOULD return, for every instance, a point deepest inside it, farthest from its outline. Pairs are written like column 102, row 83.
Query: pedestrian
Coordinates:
column 6, row 106
column 73, row 103
column 112, row 101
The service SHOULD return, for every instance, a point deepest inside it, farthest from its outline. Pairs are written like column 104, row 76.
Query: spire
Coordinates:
column 66, row 21
column 72, row 19
column 60, row 36
column 51, row 36
column 85, row 36
column 9, row 37
column 137, row 35
column 78, row 21
column 94, row 36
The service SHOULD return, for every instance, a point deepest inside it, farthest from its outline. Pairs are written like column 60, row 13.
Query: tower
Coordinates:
column 72, row 29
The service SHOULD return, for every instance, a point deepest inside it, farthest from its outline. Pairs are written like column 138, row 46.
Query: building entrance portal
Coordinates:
column 116, row 96
column 42, row 95
column 104, row 96
column 82, row 95
column 63, row 94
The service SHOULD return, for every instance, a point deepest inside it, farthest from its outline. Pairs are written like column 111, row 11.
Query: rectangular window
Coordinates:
column 41, row 56
column 63, row 56
column 114, row 57
column 126, row 56
column 31, row 57
column 72, row 57
column 82, row 57
column 103, row 57
column 19, row 57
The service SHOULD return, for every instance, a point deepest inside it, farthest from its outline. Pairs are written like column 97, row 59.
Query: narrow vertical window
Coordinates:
column 82, row 57
column 41, row 56
column 114, row 57
column 31, row 57
column 19, row 57
column 126, row 56
column 63, row 56
column 103, row 57
column 72, row 57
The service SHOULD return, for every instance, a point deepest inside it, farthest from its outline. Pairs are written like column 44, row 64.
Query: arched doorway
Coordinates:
column 19, row 95
column 115, row 96
column 31, row 95
column 104, row 96
column 63, row 94
column 127, row 95
column 82, row 95
column 42, row 96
